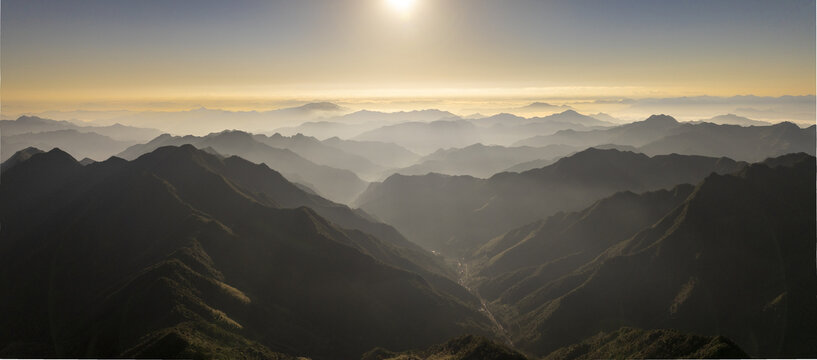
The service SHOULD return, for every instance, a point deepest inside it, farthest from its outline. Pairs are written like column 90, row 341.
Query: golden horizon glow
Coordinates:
column 399, row 50
column 403, row 7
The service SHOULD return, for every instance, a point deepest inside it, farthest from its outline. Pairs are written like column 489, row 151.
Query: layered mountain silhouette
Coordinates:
column 181, row 253
column 349, row 125
column 732, row 119
column 316, row 151
column 34, row 124
column 733, row 257
column 482, row 161
column 385, row 154
column 426, row 137
column 79, row 144
column 662, row 134
column 335, row 184
column 476, row 210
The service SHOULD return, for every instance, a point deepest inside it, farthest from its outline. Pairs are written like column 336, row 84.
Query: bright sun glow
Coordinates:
column 401, row 6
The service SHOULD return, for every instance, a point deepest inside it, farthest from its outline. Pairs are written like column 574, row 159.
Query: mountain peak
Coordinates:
column 661, row 119
column 320, row 106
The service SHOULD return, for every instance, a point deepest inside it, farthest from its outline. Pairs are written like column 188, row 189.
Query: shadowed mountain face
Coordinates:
column 335, row 184
column 180, row 253
column 734, row 258
column 460, row 348
column 476, row 210
column 662, row 134
column 18, row 157
column 630, row 343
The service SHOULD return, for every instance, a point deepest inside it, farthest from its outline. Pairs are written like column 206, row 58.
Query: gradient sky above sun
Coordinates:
column 66, row 53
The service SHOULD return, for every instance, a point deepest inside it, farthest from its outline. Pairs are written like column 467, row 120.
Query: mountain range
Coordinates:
column 220, row 260
column 335, row 184
column 96, row 142
column 662, row 134
column 482, row 161
column 731, row 256
column 476, row 210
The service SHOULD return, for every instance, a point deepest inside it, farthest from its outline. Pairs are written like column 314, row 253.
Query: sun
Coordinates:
column 401, row 6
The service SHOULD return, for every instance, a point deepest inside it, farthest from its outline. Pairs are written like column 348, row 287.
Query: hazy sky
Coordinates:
column 74, row 54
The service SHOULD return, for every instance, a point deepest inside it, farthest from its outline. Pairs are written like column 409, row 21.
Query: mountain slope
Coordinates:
column 34, row 124
column 736, row 258
column 79, row 144
column 753, row 143
column 460, row 348
column 481, row 161
column 321, row 154
column 476, row 210
column 18, row 157
column 166, row 256
column 335, row 184
column 630, row 343
column 424, row 138
column 662, row 134
column 385, row 154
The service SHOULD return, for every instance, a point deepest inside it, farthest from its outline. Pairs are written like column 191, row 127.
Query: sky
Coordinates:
column 148, row 54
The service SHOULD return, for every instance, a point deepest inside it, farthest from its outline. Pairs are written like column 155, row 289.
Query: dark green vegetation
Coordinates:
column 456, row 214
column 467, row 347
column 733, row 256
column 630, row 343
column 181, row 253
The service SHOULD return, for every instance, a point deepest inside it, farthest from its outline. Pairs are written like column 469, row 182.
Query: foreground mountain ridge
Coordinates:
column 733, row 258
column 218, row 264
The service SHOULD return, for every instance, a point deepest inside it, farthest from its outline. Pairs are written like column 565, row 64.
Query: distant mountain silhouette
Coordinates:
column 180, row 253
column 425, row 138
column 350, row 125
column 606, row 117
column 753, row 143
column 508, row 128
column 538, row 106
column 460, row 348
column 476, row 210
column 335, row 184
column 636, row 134
column 573, row 117
column 481, row 161
column 204, row 120
column 662, row 134
column 320, row 106
column 34, row 124
column 385, row 154
column 316, row 151
column 630, row 343
column 732, row 119
column 79, row 144
column 734, row 258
